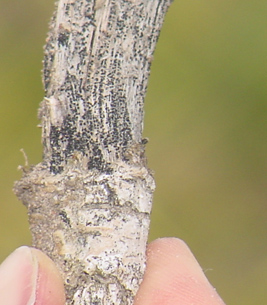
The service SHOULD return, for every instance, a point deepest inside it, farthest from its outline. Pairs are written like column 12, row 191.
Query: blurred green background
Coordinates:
column 206, row 121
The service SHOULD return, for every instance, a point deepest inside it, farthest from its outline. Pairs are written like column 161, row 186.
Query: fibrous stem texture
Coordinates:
column 90, row 199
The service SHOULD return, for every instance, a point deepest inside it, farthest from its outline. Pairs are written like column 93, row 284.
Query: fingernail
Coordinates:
column 18, row 278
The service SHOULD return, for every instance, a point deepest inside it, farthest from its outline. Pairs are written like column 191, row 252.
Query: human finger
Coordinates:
column 173, row 276
column 28, row 276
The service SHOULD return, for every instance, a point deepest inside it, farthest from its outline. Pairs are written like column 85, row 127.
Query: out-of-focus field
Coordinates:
column 206, row 121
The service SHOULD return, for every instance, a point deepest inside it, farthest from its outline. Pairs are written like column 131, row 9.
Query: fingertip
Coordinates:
column 18, row 273
column 168, row 246
column 50, row 287
column 28, row 276
column 173, row 276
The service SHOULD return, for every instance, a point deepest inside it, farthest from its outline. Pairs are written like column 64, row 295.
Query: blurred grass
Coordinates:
column 206, row 121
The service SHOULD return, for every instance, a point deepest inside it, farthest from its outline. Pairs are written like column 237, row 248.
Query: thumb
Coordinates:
column 28, row 276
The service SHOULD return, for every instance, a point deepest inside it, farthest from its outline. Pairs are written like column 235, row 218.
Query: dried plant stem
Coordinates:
column 89, row 201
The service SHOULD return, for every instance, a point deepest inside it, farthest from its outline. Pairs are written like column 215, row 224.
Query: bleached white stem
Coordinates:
column 90, row 199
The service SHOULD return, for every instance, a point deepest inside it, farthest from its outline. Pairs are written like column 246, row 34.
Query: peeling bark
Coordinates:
column 89, row 201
